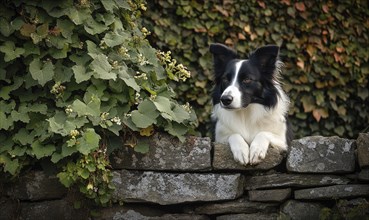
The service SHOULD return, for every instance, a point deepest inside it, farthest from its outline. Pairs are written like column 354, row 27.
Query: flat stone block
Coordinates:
column 296, row 210
column 319, row 154
column 54, row 209
column 223, row 159
column 35, row 186
column 172, row 188
column 364, row 175
column 271, row 195
column 292, row 180
column 362, row 144
column 242, row 205
column 134, row 215
column 253, row 216
column 333, row 192
column 166, row 153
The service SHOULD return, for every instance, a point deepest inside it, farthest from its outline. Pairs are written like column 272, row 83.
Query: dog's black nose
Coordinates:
column 226, row 100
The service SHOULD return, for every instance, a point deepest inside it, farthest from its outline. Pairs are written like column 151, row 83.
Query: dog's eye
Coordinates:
column 246, row 80
column 225, row 81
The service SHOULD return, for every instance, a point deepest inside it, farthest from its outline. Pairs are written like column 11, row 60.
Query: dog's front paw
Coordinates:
column 258, row 152
column 239, row 148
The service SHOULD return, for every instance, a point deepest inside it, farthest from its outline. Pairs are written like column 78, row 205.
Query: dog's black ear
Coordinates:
column 222, row 55
column 265, row 58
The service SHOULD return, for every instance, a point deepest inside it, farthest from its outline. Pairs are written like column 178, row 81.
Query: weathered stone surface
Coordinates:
column 8, row 209
column 254, row 216
column 364, row 175
column 241, row 205
column 166, row 153
column 223, row 159
column 172, row 188
column 318, row 154
column 37, row 186
column 55, row 209
column 362, row 143
column 292, row 180
column 333, row 192
column 271, row 195
column 352, row 209
column 296, row 210
column 134, row 215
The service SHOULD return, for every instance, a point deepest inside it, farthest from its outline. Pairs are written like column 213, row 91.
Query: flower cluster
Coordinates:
column 175, row 71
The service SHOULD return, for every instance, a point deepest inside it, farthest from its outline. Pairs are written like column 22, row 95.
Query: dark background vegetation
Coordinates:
column 324, row 45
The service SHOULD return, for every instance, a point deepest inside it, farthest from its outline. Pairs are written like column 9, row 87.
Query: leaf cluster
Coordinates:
column 73, row 74
column 323, row 45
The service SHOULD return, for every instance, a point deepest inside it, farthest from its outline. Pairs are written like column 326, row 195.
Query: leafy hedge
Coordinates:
column 324, row 46
column 75, row 75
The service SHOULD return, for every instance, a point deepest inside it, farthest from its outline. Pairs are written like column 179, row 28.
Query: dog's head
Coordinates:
column 240, row 82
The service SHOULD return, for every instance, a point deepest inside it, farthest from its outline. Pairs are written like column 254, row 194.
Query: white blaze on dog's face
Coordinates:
column 231, row 96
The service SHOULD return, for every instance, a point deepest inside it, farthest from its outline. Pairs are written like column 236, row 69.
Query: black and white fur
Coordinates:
column 249, row 105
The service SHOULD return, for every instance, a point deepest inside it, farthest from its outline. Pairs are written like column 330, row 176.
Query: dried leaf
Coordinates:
column 300, row 64
column 300, row 6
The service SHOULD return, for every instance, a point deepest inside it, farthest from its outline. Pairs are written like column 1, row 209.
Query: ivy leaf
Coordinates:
column 5, row 122
column 113, row 39
column 142, row 146
column 88, row 142
column 6, row 29
column 41, row 72
column 93, row 27
column 180, row 114
column 109, row 5
column 142, row 120
column 60, row 125
column 80, row 73
column 102, row 68
column 163, row 104
column 23, row 137
column 92, row 108
column 145, row 115
column 66, row 27
column 10, row 51
column 20, row 116
column 40, row 150
column 177, row 130
column 10, row 165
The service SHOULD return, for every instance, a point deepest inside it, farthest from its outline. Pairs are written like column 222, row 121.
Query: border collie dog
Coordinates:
column 249, row 105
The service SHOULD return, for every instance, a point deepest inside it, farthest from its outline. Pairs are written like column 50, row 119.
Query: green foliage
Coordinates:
column 345, row 209
column 93, row 176
column 74, row 74
column 323, row 45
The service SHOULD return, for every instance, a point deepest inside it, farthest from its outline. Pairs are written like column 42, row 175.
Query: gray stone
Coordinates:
column 8, row 209
column 253, row 216
column 333, row 192
column 166, row 153
column 271, row 195
column 134, row 215
column 296, row 210
column 54, row 209
column 36, row 185
column 362, row 143
column 223, row 159
column 115, row 211
column 364, row 175
column 173, row 188
column 318, row 154
column 292, row 180
column 241, row 205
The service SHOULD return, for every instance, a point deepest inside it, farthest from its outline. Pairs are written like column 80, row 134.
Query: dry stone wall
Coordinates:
column 319, row 178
